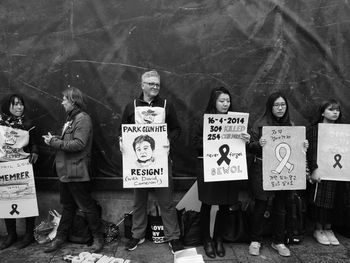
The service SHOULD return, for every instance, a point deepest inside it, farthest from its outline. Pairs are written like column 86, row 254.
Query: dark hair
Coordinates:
column 5, row 107
column 75, row 96
column 268, row 116
column 324, row 105
column 144, row 138
column 214, row 95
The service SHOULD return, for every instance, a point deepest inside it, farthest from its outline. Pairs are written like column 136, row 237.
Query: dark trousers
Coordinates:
column 11, row 225
column 278, row 217
column 73, row 196
column 205, row 220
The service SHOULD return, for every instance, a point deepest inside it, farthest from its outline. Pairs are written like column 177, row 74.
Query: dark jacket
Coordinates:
column 212, row 193
column 74, row 150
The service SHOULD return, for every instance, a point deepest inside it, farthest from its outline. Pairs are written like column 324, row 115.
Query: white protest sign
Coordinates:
column 12, row 142
column 284, row 158
column 145, row 155
column 333, row 151
column 224, row 152
column 17, row 190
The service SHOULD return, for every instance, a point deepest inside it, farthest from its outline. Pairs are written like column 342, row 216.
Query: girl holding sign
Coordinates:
column 323, row 192
column 276, row 114
column 214, row 193
column 13, row 116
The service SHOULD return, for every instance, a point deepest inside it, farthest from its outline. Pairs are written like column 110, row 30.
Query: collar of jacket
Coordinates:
column 157, row 101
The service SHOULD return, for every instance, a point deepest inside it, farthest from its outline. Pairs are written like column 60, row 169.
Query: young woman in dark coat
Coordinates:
column 214, row 193
column 13, row 116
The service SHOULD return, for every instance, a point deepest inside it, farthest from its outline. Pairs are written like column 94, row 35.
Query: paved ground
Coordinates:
column 307, row 251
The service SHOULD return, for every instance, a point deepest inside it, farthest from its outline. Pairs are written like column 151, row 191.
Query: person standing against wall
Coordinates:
column 146, row 109
column 72, row 163
column 13, row 116
column 224, row 193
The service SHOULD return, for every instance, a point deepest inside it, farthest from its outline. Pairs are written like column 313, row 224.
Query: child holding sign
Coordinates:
column 323, row 192
column 214, row 193
column 276, row 114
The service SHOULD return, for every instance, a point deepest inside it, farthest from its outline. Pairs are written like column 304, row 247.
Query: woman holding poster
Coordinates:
column 13, row 116
column 276, row 114
column 323, row 192
column 214, row 193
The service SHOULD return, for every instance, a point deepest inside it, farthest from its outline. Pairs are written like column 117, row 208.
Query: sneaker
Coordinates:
column 282, row 249
column 133, row 242
column 254, row 248
column 321, row 237
column 331, row 237
column 175, row 245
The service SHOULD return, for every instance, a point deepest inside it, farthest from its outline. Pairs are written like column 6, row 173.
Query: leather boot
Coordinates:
column 56, row 244
column 219, row 248
column 11, row 234
column 209, row 249
column 97, row 245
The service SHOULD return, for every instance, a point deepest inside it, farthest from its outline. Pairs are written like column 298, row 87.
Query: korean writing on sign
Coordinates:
column 17, row 190
column 284, row 158
column 333, row 151
column 145, row 155
column 224, row 154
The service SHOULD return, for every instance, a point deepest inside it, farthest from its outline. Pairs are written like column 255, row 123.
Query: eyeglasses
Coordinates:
column 152, row 84
column 277, row 105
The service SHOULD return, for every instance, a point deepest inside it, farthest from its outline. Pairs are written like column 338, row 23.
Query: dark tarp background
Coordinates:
column 252, row 47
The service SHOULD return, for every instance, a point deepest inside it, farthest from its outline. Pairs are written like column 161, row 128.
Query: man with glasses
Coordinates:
column 150, row 108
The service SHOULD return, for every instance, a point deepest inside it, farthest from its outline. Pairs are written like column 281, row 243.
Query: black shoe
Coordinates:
column 175, row 245
column 133, row 242
column 56, row 244
column 26, row 241
column 97, row 245
column 219, row 248
column 209, row 249
column 9, row 240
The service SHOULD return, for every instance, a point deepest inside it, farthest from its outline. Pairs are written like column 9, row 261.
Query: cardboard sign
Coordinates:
column 12, row 142
column 145, row 155
column 224, row 152
column 333, row 151
column 17, row 190
column 284, row 158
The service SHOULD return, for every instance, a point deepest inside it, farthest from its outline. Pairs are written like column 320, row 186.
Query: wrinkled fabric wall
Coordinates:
column 252, row 47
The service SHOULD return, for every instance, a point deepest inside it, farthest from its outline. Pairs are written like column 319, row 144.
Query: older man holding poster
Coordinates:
column 149, row 108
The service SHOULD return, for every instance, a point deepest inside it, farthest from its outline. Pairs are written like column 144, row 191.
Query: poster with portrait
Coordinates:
column 12, row 142
column 145, row 155
column 224, row 152
column 333, row 151
column 284, row 158
column 17, row 190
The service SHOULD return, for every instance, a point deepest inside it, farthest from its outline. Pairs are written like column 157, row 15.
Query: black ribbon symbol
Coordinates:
column 337, row 159
column 224, row 150
column 14, row 209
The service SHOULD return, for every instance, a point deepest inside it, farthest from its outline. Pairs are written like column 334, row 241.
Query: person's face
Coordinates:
column 223, row 103
column 331, row 114
column 143, row 151
column 150, row 87
column 279, row 107
column 17, row 108
column 67, row 105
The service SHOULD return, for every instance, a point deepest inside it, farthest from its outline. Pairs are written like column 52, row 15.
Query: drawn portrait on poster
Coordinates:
column 17, row 190
column 333, row 151
column 284, row 158
column 145, row 155
column 224, row 152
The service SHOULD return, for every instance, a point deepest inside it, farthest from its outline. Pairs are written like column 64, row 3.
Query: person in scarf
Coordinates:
column 13, row 116
column 72, row 163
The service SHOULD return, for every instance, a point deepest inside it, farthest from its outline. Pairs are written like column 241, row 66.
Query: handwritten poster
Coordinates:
column 145, row 155
column 224, row 152
column 284, row 158
column 12, row 142
column 333, row 151
column 17, row 190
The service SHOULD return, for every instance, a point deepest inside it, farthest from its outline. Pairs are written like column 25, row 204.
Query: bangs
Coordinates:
column 334, row 106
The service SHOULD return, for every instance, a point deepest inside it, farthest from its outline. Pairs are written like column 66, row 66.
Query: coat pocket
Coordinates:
column 78, row 169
